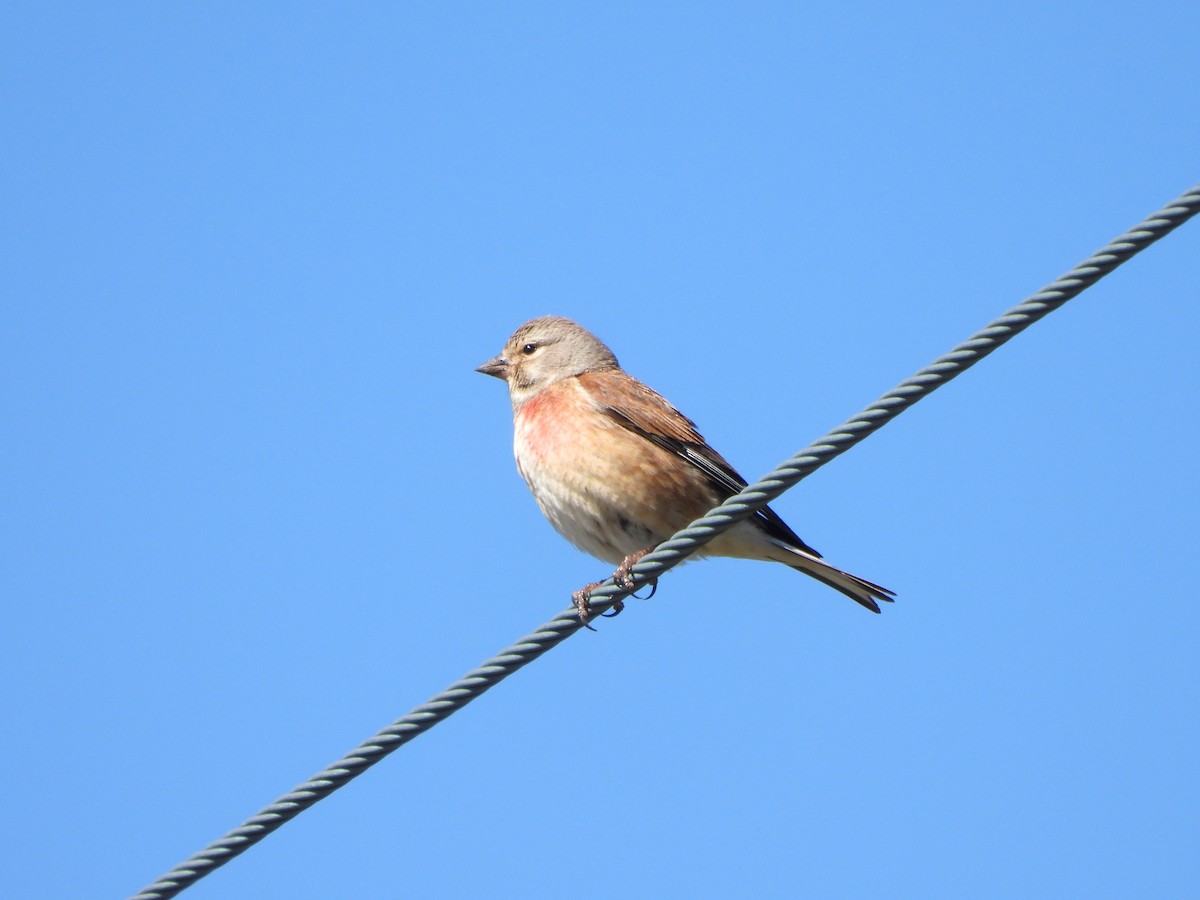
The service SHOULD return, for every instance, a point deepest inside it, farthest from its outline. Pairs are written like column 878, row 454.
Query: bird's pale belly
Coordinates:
column 586, row 514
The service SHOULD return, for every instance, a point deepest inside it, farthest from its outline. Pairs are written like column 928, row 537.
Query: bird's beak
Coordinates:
column 497, row 367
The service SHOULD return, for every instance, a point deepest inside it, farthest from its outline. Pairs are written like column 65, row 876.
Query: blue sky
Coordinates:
column 256, row 503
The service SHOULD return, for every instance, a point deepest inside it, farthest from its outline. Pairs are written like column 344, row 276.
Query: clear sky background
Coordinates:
column 256, row 503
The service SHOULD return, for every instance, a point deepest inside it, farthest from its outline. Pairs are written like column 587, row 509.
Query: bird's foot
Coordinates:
column 624, row 574
column 623, row 578
column 581, row 598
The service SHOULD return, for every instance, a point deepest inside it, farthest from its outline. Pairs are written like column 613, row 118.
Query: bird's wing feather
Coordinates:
column 647, row 414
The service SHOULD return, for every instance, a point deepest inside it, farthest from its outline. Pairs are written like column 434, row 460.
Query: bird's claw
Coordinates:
column 653, row 583
column 616, row 609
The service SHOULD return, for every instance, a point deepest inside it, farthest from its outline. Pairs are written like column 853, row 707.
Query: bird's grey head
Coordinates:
column 546, row 350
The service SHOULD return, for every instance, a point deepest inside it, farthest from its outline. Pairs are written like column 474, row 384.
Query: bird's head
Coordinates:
column 546, row 350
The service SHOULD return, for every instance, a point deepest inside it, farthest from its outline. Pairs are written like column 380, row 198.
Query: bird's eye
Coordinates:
column 529, row 348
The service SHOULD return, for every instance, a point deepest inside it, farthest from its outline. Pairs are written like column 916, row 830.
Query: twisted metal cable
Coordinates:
column 670, row 553
column 999, row 331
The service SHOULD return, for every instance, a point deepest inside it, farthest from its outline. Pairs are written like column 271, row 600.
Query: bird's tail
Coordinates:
column 857, row 589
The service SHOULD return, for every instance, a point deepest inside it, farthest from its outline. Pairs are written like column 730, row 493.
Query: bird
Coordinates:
column 617, row 469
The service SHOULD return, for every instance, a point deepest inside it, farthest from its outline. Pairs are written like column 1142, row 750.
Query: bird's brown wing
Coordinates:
column 647, row 414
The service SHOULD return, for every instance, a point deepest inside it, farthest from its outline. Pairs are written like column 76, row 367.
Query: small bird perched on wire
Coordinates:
column 617, row 469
